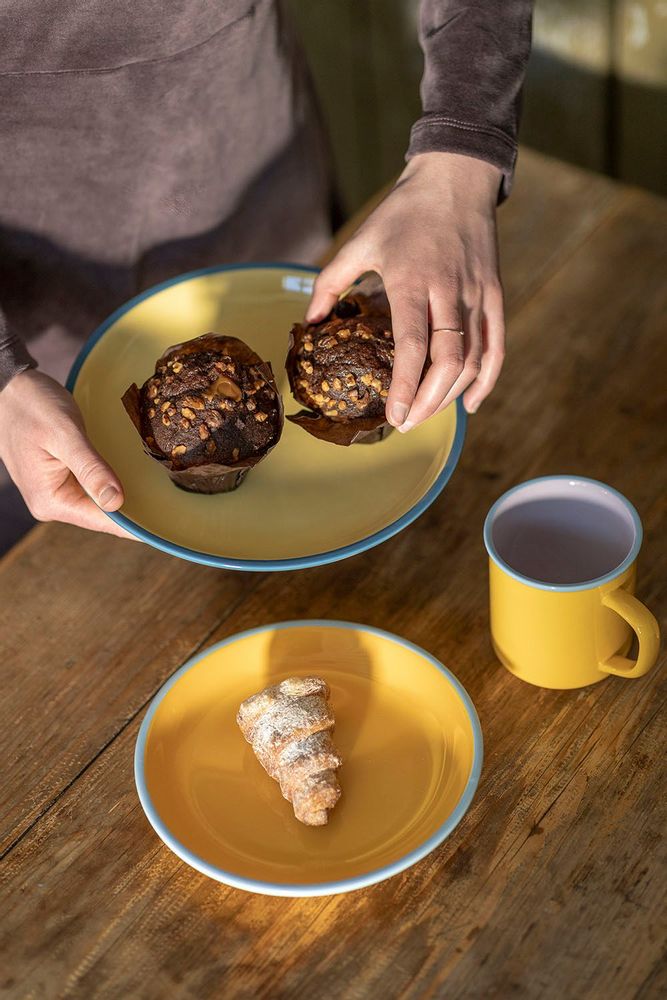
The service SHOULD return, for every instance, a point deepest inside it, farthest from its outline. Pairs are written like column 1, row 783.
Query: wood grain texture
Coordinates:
column 89, row 630
column 554, row 884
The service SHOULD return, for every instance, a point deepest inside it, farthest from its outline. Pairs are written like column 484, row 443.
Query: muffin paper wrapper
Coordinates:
column 363, row 430
column 214, row 477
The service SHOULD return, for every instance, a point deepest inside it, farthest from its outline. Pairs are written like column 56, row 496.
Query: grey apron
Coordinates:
column 140, row 139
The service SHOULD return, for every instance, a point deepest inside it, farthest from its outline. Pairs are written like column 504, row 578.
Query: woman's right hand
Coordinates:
column 43, row 443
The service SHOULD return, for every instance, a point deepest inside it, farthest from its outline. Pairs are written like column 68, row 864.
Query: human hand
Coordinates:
column 43, row 443
column 433, row 242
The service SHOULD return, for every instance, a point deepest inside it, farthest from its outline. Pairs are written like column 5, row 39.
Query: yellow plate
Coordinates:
column 407, row 731
column 310, row 502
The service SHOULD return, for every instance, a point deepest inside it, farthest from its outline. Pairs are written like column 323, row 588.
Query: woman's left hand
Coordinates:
column 433, row 242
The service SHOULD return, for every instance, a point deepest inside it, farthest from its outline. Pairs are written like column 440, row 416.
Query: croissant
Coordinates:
column 289, row 727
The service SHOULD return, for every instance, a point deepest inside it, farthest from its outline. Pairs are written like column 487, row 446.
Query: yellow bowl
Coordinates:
column 407, row 731
column 309, row 502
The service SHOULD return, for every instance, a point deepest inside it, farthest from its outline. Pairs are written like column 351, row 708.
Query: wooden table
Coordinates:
column 554, row 883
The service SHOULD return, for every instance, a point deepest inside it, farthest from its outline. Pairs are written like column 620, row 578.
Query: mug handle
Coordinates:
column 643, row 623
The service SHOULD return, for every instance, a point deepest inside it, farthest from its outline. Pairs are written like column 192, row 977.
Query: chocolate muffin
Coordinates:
column 340, row 369
column 209, row 413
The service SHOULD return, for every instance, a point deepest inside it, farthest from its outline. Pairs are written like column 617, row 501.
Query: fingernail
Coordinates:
column 474, row 408
column 107, row 496
column 407, row 426
column 399, row 412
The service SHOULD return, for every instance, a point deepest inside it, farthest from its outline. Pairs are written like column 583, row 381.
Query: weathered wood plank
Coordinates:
column 510, row 903
column 554, row 884
column 80, row 661
column 90, row 627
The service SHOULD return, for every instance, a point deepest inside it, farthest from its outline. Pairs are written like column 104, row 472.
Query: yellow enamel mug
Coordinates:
column 562, row 563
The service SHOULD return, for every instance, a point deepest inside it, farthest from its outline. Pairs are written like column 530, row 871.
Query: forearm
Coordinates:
column 475, row 57
column 14, row 355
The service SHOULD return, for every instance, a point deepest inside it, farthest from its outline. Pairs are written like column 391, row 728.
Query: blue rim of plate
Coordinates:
column 267, row 565
column 318, row 888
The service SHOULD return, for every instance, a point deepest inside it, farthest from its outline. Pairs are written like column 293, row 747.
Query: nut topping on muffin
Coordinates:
column 340, row 369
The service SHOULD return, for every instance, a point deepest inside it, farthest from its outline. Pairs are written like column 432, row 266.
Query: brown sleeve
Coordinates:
column 14, row 356
column 475, row 56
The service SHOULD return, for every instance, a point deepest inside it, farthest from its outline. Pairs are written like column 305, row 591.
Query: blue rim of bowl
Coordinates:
column 563, row 588
column 267, row 565
column 318, row 888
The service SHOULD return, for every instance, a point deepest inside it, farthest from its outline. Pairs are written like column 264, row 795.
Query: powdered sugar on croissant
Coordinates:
column 289, row 727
